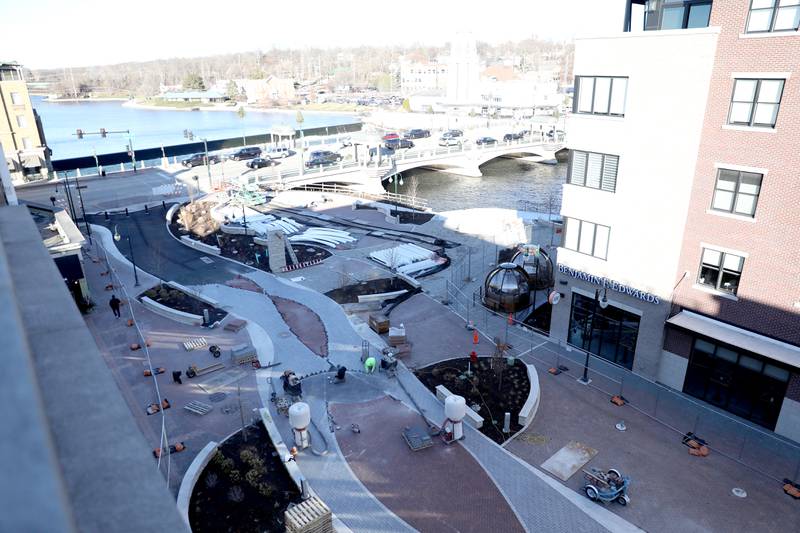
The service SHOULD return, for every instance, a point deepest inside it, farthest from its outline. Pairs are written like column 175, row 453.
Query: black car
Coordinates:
column 452, row 134
column 323, row 158
column 485, row 140
column 396, row 144
column 200, row 159
column 417, row 134
column 512, row 137
column 246, row 153
column 261, row 162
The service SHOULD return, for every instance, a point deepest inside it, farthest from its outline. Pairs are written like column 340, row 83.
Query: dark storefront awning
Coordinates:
column 741, row 338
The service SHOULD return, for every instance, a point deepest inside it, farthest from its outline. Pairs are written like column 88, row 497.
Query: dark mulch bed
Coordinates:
column 245, row 487
column 349, row 294
column 304, row 323
column 243, row 249
column 494, row 396
column 179, row 300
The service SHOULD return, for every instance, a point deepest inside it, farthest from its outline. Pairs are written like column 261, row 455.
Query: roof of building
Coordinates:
column 58, row 231
column 193, row 94
column 500, row 73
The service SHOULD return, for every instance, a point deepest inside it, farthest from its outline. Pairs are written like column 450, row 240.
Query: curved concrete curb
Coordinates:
column 282, row 449
column 108, row 244
column 173, row 314
column 197, row 245
column 190, row 478
column 531, row 405
column 171, row 212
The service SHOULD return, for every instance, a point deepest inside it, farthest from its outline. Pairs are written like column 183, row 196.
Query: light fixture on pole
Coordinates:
column 394, row 180
column 118, row 237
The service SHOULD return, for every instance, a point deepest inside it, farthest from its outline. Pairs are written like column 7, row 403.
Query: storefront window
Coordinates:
column 609, row 333
column 745, row 384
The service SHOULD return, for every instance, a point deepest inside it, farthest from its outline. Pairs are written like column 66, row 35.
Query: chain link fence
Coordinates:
column 751, row 446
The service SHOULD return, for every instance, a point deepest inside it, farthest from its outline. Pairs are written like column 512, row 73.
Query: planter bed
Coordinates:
column 180, row 301
column 482, row 390
column 244, row 487
column 349, row 294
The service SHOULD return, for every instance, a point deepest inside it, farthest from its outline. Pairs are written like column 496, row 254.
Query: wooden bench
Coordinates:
column 199, row 408
column 243, row 353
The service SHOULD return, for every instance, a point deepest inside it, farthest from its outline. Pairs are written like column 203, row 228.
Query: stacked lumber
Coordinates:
column 310, row 516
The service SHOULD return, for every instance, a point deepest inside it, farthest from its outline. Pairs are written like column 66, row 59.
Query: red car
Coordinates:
column 390, row 136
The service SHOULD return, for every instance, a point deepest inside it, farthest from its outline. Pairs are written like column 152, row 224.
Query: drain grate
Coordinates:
column 217, row 397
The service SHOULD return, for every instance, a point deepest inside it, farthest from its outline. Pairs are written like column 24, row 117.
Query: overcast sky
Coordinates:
column 60, row 33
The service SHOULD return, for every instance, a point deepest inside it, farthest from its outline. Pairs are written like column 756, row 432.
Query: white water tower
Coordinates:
column 300, row 419
column 455, row 409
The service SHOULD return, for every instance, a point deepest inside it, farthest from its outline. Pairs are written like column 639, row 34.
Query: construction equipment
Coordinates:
column 606, row 486
column 195, row 370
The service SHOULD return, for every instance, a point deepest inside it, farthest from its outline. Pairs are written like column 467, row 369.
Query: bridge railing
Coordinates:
column 404, row 199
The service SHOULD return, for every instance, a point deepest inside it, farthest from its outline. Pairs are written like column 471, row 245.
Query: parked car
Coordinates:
column 390, row 136
column 261, row 162
column 417, row 133
column 385, row 151
column 559, row 133
column 485, row 140
column 512, row 137
column 249, row 152
column 396, row 144
column 275, row 152
column 321, row 158
column 452, row 134
column 200, row 159
column 450, row 141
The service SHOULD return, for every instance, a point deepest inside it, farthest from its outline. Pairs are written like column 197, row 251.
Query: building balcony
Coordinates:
column 654, row 15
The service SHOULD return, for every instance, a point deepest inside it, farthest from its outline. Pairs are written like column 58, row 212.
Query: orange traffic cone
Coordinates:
column 475, row 337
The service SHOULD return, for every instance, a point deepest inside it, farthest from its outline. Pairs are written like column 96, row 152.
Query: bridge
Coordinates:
column 464, row 160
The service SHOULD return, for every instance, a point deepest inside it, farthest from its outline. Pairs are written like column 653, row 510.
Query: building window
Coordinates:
column 755, row 102
column 26, row 143
column 16, row 99
column 10, row 74
column 593, row 170
column 600, row 95
column 720, row 271
column 21, row 123
column 773, row 15
column 609, row 333
column 677, row 15
column 586, row 237
column 736, row 192
column 742, row 383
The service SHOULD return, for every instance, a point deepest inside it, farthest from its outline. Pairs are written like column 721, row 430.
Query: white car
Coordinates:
column 450, row 141
column 279, row 152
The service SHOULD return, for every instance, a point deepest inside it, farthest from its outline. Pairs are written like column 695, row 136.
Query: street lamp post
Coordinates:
column 393, row 179
column 188, row 134
column 118, row 237
column 603, row 303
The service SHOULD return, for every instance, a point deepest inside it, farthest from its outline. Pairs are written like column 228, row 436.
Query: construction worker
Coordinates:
column 370, row 364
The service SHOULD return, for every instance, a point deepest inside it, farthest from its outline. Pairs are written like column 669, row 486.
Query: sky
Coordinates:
column 64, row 33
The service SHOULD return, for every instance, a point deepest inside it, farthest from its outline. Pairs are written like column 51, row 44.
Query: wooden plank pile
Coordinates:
column 309, row 516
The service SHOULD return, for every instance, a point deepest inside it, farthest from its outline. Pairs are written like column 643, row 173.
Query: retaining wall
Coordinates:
column 531, row 405
column 473, row 419
column 197, row 245
column 173, row 314
column 190, row 478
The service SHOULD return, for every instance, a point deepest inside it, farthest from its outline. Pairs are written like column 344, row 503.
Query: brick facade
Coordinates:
column 770, row 282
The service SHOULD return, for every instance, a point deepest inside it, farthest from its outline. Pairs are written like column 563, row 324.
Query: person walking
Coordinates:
column 114, row 304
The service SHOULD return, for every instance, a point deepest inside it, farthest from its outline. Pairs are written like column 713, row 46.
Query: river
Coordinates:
column 507, row 183
column 151, row 128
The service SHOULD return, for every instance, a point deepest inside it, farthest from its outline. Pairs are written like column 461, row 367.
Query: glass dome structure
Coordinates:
column 507, row 289
column 537, row 264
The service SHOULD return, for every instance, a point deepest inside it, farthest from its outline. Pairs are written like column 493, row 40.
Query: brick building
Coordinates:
column 682, row 239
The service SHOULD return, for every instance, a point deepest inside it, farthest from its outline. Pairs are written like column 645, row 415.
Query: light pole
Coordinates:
column 394, row 180
column 118, row 237
column 603, row 304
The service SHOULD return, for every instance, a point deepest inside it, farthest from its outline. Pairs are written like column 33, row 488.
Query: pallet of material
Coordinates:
column 235, row 325
column 309, row 516
column 194, row 344
column 397, row 335
column 378, row 323
column 243, row 353
column 199, row 408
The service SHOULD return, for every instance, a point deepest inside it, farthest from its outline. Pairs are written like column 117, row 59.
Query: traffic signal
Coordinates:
column 79, row 133
column 102, row 132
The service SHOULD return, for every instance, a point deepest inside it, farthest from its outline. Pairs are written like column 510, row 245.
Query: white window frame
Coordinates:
column 775, row 9
column 736, row 192
column 570, row 223
column 570, row 169
column 754, row 102
column 582, row 86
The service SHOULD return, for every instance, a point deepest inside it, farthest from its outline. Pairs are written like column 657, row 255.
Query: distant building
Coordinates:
column 205, row 97
column 263, row 91
column 463, row 80
column 422, row 76
column 7, row 194
column 21, row 132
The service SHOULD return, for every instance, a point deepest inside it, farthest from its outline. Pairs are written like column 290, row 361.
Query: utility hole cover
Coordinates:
column 206, row 260
column 217, row 397
column 739, row 493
